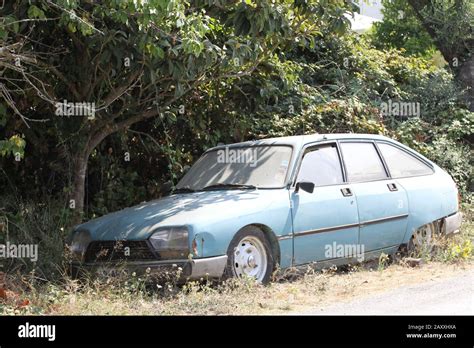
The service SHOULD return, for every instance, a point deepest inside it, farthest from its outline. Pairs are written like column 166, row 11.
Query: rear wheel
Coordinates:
column 423, row 238
column 249, row 255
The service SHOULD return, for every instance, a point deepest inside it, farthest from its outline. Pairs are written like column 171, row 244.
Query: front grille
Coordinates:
column 101, row 251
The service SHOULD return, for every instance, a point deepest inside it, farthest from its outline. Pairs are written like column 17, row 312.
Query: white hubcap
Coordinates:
column 250, row 258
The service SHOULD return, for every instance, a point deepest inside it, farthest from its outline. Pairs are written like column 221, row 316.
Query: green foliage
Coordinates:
column 401, row 29
column 459, row 251
column 35, row 12
column 455, row 159
column 383, row 262
column 336, row 116
column 345, row 96
column 14, row 146
column 138, row 61
column 43, row 223
column 172, row 78
column 451, row 23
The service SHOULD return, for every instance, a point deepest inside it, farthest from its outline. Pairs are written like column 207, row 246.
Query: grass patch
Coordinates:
column 293, row 291
column 455, row 248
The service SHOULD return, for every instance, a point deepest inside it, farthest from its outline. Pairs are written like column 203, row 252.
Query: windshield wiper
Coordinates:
column 230, row 186
column 184, row 189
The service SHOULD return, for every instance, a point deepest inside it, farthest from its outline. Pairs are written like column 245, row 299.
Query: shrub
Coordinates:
column 45, row 224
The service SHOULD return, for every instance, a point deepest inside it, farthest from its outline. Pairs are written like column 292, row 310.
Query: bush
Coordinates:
column 45, row 224
column 340, row 86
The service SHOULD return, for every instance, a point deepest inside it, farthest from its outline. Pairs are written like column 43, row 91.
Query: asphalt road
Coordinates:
column 448, row 296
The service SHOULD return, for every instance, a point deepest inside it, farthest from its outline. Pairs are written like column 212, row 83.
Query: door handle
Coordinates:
column 346, row 192
column 392, row 187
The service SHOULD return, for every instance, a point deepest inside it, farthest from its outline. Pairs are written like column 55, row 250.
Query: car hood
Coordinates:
column 138, row 222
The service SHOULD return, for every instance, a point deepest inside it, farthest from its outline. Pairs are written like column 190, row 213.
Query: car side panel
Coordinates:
column 430, row 197
column 382, row 214
column 213, row 238
column 314, row 216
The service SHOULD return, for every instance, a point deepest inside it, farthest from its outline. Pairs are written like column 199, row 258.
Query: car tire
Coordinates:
column 423, row 238
column 250, row 254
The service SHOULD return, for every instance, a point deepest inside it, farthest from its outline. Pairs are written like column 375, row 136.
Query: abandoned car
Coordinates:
column 244, row 209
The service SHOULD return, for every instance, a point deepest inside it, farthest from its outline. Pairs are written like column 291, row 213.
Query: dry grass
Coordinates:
column 234, row 297
column 287, row 295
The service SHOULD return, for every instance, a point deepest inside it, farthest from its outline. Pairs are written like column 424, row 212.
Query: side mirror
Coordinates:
column 166, row 188
column 305, row 186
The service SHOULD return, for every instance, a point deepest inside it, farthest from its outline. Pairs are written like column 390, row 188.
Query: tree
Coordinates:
column 129, row 61
column 449, row 23
column 401, row 29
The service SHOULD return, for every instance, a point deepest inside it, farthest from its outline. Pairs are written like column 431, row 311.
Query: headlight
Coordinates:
column 171, row 243
column 80, row 242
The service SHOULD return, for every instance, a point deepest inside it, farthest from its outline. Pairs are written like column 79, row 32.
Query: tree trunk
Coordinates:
column 466, row 78
column 81, row 160
column 82, row 157
column 79, row 181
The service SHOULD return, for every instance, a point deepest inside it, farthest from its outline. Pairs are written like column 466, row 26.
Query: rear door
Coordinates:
column 325, row 221
column 382, row 203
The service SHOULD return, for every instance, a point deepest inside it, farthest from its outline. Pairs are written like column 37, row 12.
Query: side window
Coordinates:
column 401, row 164
column 321, row 166
column 362, row 162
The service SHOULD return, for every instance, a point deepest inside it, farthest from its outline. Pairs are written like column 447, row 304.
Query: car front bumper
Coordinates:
column 210, row 267
column 452, row 224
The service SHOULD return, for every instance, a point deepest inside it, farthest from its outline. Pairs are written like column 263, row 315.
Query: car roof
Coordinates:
column 300, row 140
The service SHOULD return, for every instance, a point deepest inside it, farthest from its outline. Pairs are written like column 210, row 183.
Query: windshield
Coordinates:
column 259, row 166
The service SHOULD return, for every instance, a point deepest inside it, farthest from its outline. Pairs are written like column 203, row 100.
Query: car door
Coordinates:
column 382, row 202
column 424, row 190
column 326, row 219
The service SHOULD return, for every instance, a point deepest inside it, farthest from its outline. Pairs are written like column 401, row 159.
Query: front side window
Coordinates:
column 321, row 166
column 260, row 166
column 401, row 164
column 362, row 162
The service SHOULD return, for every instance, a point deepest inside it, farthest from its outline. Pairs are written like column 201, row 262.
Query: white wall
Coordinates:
column 371, row 8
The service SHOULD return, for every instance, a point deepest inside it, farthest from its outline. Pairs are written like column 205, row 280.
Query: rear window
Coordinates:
column 362, row 162
column 402, row 164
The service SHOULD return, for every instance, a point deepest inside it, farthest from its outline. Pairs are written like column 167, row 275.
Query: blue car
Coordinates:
column 245, row 209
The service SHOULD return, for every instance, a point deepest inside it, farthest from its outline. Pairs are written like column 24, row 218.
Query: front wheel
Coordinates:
column 249, row 255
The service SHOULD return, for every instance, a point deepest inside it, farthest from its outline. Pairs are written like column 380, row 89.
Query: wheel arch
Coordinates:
column 438, row 223
column 271, row 237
